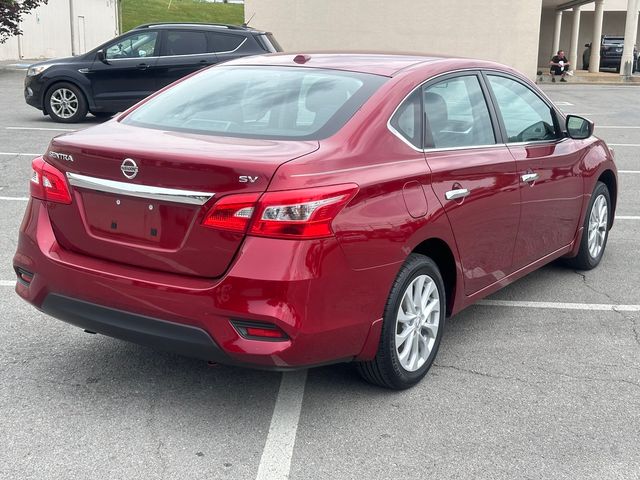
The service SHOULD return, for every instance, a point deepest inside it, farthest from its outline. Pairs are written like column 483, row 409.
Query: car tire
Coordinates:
column 419, row 330
column 595, row 230
column 65, row 103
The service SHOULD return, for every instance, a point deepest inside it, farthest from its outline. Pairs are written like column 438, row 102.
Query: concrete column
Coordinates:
column 594, row 60
column 556, row 32
column 630, row 31
column 575, row 30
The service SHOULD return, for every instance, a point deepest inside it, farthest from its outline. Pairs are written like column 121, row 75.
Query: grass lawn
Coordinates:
column 136, row 12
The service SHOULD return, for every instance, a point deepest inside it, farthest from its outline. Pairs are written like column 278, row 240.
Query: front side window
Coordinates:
column 260, row 102
column 525, row 116
column 138, row 45
column 185, row 43
column 457, row 114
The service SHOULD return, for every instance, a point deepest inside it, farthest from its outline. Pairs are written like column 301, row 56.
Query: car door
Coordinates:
column 182, row 53
column 547, row 161
column 126, row 74
column 473, row 175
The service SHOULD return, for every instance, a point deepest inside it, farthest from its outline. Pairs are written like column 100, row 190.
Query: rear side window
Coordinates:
column 225, row 43
column 185, row 43
column 407, row 121
column 259, row 102
column 457, row 114
column 526, row 117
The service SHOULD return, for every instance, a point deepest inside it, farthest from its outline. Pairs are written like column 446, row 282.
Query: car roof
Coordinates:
column 386, row 64
column 199, row 26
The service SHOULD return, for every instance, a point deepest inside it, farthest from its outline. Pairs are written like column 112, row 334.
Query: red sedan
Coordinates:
column 288, row 211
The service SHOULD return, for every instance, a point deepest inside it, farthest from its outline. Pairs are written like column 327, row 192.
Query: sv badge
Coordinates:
column 247, row 179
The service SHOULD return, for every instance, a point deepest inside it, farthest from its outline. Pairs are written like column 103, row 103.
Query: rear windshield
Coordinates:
column 279, row 103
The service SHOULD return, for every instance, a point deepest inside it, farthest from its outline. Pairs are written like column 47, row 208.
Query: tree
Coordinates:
column 11, row 12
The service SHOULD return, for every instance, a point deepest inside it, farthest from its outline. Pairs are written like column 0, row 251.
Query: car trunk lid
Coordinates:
column 139, row 195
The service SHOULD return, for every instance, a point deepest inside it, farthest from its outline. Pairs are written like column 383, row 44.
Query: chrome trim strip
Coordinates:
column 468, row 147
column 183, row 55
column 235, row 49
column 141, row 191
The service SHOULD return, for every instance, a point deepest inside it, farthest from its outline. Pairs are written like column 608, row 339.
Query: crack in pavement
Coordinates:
column 593, row 289
column 536, row 384
column 588, row 378
column 485, row 374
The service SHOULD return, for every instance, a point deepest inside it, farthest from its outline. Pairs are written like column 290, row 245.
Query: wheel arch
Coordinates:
column 73, row 82
column 442, row 254
column 609, row 179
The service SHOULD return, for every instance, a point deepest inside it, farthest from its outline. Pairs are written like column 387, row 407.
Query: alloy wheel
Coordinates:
column 417, row 323
column 64, row 103
column 598, row 220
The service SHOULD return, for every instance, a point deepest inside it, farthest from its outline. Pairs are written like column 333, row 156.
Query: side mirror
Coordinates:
column 101, row 57
column 579, row 128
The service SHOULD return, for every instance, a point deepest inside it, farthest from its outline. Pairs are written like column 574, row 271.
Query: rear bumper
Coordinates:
column 152, row 332
column 327, row 310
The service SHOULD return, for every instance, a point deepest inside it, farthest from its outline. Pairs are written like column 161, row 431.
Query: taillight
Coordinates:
column 48, row 183
column 232, row 212
column 305, row 213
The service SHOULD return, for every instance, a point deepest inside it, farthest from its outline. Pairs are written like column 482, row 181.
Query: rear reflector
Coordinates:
column 24, row 276
column 48, row 183
column 306, row 213
column 258, row 330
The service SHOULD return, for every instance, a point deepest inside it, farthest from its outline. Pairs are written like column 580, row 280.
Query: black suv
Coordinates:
column 611, row 47
column 123, row 71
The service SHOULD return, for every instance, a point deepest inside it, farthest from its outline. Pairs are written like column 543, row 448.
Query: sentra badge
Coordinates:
column 61, row 156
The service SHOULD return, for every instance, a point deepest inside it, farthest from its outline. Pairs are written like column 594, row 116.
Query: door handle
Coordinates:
column 457, row 193
column 529, row 177
column 142, row 66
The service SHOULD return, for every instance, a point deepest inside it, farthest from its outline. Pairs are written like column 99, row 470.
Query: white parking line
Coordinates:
column 617, row 126
column 599, row 307
column 275, row 463
column 14, row 154
column 627, row 217
column 7, row 283
column 43, row 129
column 15, row 199
column 624, row 144
column 628, row 171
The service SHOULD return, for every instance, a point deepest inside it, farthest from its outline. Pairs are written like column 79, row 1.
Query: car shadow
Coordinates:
column 111, row 368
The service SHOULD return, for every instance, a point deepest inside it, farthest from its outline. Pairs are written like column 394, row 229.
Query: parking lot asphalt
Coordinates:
column 540, row 381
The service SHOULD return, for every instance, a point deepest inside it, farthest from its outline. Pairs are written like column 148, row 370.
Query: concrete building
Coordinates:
column 63, row 28
column 518, row 33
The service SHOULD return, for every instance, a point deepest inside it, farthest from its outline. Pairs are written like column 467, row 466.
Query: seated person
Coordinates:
column 559, row 66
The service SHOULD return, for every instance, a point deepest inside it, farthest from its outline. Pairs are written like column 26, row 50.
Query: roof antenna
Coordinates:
column 246, row 24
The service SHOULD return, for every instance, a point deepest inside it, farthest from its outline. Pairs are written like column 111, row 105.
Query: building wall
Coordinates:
column 492, row 30
column 47, row 29
column 613, row 24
